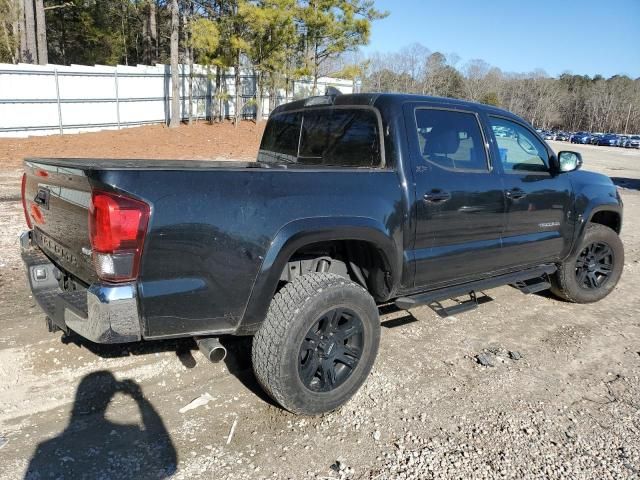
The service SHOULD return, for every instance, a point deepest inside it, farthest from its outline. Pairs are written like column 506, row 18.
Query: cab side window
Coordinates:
column 520, row 150
column 451, row 139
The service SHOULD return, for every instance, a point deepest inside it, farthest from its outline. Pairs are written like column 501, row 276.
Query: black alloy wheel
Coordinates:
column 331, row 350
column 593, row 271
column 318, row 343
column 594, row 265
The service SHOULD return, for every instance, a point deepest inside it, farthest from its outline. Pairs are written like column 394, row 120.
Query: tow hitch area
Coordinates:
column 51, row 327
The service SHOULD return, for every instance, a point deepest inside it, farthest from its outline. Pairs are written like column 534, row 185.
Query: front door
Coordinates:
column 538, row 227
column 459, row 202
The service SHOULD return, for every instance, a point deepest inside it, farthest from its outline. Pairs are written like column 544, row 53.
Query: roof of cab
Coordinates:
column 373, row 99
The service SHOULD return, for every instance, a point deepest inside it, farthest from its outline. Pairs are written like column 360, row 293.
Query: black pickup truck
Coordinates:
column 355, row 201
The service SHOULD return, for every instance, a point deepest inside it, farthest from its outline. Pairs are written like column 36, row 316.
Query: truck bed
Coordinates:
column 211, row 230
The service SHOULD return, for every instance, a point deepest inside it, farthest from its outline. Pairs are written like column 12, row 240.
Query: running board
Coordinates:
column 459, row 307
column 534, row 286
column 405, row 303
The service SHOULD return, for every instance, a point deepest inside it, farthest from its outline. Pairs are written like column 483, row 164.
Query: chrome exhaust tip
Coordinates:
column 212, row 348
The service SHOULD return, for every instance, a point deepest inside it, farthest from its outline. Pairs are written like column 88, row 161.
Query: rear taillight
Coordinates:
column 117, row 227
column 24, row 201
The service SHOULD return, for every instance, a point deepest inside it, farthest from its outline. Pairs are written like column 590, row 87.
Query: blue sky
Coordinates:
column 583, row 37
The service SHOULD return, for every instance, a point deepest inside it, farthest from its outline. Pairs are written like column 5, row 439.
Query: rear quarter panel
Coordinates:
column 211, row 230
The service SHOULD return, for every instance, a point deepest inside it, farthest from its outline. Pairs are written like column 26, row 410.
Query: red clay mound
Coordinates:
column 201, row 142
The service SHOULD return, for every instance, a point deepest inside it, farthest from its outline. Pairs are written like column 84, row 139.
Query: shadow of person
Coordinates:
column 92, row 446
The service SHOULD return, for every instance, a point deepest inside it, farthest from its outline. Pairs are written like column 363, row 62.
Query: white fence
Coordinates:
column 52, row 99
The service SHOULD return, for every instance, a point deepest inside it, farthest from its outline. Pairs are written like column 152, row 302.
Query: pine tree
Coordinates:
column 332, row 27
column 203, row 43
column 271, row 39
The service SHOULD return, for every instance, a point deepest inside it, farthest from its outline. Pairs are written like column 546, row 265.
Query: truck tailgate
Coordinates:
column 57, row 202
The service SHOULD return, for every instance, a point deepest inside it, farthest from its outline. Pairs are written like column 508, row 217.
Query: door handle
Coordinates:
column 470, row 209
column 437, row 196
column 515, row 193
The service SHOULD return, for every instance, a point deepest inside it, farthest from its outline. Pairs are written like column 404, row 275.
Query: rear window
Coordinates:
column 344, row 137
column 451, row 139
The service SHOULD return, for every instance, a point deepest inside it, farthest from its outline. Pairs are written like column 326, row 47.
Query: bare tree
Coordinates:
column 175, row 78
column 17, row 22
column 573, row 102
column 22, row 31
column 412, row 60
column 187, row 23
column 150, row 33
column 476, row 84
column 30, row 52
column 153, row 31
column 440, row 77
column 41, row 31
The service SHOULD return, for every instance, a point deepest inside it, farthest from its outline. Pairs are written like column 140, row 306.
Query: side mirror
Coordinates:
column 569, row 161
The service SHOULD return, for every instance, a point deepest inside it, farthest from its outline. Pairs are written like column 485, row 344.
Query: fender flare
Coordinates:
column 306, row 231
column 585, row 217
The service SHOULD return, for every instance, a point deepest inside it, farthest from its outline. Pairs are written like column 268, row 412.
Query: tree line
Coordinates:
column 569, row 102
column 285, row 40
column 279, row 40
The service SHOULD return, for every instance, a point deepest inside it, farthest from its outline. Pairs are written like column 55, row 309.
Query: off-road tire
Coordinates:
column 277, row 344
column 564, row 283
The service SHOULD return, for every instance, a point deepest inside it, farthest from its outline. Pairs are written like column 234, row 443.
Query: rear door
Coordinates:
column 459, row 203
column 538, row 226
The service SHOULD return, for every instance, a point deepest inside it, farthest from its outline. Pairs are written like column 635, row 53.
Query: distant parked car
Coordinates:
column 581, row 137
column 578, row 137
column 609, row 140
column 548, row 136
column 562, row 137
column 633, row 142
column 595, row 138
column 622, row 140
column 573, row 138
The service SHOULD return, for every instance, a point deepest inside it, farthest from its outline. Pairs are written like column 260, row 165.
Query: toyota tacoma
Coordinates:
column 355, row 201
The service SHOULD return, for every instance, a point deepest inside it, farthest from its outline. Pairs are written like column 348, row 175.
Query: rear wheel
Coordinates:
column 318, row 343
column 593, row 272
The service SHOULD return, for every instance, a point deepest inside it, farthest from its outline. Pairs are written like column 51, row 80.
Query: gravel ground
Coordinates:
column 524, row 387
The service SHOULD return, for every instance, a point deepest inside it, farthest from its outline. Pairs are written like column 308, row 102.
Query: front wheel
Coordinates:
column 318, row 343
column 593, row 272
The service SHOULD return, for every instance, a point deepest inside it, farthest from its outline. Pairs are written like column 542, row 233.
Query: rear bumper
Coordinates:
column 102, row 313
